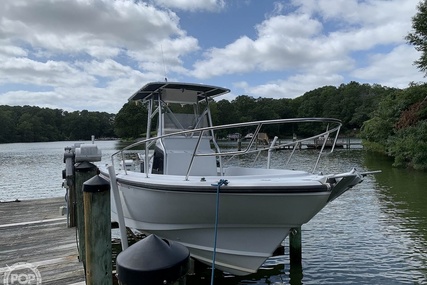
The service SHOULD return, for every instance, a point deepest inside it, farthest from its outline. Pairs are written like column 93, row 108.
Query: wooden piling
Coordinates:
column 296, row 274
column 295, row 256
column 295, row 247
column 96, row 198
column 83, row 171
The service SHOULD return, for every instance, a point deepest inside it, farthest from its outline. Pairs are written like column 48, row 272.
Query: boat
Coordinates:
column 248, row 136
column 187, row 188
column 325, row 142
column 261, row 138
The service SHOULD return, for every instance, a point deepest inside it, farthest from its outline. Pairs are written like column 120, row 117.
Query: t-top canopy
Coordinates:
column 177, row 92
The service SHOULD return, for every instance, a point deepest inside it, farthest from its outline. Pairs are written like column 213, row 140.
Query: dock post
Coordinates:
column 295, row 247
column 84, row 171
column 96, row 198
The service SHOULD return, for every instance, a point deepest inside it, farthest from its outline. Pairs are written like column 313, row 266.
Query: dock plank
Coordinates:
column 34, row 232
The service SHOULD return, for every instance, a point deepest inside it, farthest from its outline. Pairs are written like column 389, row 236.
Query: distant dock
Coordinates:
column 33, row 233
column 289, row 144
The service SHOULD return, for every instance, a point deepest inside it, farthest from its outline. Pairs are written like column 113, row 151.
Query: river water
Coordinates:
column 374, row 234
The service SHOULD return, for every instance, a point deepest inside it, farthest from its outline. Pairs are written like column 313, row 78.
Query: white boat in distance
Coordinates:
column 183, row 170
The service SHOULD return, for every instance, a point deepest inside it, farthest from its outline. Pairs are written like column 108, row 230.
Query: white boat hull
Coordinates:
column 253, row 220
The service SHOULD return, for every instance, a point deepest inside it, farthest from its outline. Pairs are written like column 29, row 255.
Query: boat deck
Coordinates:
column 34, row 232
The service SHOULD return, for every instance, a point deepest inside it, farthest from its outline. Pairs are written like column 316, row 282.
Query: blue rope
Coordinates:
column 218, row 187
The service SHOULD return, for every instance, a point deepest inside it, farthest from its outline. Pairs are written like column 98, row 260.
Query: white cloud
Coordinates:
column 105, row 68
column 98, row 52
column 283, row 42
column 291, row 87
column 49, row 73
column 44, row 99
column 10, row 50
column 391, row 69
column 126, row 21
column 165, row 54
column 60, row 45
column 358, row 13
column 191, row 5
column 320, row 41
column 99, row 28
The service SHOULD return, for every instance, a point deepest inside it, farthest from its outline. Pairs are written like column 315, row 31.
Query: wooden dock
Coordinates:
column 34, row 232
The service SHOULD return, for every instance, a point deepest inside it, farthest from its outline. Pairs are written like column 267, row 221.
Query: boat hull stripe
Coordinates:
column 228, row 188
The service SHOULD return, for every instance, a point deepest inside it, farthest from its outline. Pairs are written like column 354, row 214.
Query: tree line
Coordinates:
column 353, row 103
column 35, row 124
column 390, row 120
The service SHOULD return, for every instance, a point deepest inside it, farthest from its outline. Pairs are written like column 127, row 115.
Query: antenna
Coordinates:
column 163, row 61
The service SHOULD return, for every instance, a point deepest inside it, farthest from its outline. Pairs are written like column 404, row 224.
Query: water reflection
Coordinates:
column 403, row 194
column 268, row 275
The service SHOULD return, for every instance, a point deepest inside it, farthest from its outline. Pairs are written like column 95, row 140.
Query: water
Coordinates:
column 374, row 234
column 34, row 170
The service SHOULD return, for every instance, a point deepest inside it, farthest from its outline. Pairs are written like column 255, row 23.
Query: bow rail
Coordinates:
column 329, row 134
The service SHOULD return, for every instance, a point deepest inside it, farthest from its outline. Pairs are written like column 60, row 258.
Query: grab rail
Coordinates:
column 336, row 125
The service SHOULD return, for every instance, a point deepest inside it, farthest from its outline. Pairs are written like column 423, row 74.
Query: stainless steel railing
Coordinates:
column 329, row 135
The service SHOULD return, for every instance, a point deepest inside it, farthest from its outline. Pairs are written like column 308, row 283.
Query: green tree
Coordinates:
column 398, row 127
column 225, row 113
column 409, row 147
column 131, row 121
column 244, row 108
column 418, row 37
column 7, row 125
column 72, row 126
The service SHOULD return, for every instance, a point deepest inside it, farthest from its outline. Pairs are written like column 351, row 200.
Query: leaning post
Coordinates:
column 97, row 207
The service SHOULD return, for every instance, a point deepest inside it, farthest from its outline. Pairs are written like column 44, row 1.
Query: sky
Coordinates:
column 94, row 54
